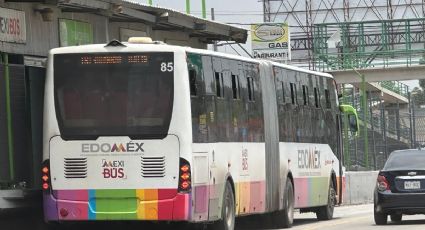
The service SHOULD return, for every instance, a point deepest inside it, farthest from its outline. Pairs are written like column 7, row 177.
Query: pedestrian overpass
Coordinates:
column 368, row 59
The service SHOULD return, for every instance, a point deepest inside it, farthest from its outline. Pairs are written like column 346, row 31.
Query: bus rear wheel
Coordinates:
column 228, row 211
column 285, row 218
column 327, row 212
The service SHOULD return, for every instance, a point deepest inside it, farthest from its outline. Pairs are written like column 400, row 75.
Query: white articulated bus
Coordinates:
column 148, row 131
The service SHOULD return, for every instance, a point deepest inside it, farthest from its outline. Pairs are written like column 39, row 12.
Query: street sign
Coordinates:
column 271, row 41
column 74, row 33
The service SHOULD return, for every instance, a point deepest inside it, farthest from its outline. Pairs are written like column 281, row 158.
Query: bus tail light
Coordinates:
column 184, row 176
column 45, row 175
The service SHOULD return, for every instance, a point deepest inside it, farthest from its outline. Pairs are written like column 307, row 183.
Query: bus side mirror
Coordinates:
column 353, row 123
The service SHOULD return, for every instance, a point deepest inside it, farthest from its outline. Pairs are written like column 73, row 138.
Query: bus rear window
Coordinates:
column 113, row 94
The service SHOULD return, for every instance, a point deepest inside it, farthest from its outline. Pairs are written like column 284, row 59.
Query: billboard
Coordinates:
column 271, row 41
column 12, row 26
column 74, row 33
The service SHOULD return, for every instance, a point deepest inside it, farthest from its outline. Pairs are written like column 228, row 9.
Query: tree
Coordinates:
column 418, row 95
column 422, row 83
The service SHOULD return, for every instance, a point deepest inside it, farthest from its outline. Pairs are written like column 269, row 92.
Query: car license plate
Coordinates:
column 412, row 185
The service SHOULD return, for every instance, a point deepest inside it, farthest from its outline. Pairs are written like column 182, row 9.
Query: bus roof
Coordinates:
column 133, row 47
column 232, row 56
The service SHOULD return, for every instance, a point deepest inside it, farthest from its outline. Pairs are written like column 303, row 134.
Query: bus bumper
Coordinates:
column 175, row 209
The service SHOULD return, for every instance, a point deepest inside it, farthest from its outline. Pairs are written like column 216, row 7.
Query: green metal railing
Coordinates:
column 369, row 44
column 396, row 87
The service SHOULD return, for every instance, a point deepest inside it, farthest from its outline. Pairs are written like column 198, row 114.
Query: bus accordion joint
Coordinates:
column 45, row 175
column 184, row 176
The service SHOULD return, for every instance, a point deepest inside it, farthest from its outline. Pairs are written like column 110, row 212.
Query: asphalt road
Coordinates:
column 358, row 217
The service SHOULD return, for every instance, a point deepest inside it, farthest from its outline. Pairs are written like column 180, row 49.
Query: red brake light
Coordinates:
column 185, row 185
column 45, row 186
column 382, row 183
column 45, row 170
column 45, row 178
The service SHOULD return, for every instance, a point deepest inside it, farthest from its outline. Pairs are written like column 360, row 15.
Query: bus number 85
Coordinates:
column 167, row 67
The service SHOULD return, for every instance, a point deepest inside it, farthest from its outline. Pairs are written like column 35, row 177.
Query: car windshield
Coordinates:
column 406, row 160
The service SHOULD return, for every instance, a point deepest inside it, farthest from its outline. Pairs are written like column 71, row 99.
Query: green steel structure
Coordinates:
column 369, row 44
column 386, row 127
column 351, row 46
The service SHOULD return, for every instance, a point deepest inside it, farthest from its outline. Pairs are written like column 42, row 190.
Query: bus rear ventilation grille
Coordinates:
column 153, row 167
column 75, row 168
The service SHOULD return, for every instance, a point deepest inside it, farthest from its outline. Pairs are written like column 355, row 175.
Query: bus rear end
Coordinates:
column 112, row 147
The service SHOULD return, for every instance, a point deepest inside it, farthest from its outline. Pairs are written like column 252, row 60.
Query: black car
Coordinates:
column 400, row 187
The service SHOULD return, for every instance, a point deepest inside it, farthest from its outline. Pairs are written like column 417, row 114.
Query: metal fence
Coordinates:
column 389, row 128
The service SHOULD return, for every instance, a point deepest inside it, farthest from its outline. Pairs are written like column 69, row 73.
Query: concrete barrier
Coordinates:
column 359, row 187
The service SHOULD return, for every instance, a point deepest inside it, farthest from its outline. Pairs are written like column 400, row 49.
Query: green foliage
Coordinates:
column 422, row 83
column 418, row 95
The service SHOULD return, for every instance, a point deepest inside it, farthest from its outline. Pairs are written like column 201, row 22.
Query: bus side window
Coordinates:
column 192, row 82
column 198, row 105
column 236, row 87
column 293, row 93
column 208, row 72
column 316, row 97
column 251, row 96
column 218, row 84
column 209, row 98
column 258, row 104
column 306, row 95
column 327, row 99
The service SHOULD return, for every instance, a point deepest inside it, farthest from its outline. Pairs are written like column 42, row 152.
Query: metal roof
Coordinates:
column 159, row 18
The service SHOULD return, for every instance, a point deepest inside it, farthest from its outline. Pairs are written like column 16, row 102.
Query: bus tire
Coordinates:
column 228, row 210
column 285, row 218
column 327, row 212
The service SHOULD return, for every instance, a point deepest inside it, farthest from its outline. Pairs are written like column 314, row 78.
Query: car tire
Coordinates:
column 285, row 218
column 327, row 212
column 228, row 210
column 380, row 218
column 396, row 217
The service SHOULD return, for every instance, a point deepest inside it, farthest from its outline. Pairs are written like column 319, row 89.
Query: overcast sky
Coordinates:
column 228, row 11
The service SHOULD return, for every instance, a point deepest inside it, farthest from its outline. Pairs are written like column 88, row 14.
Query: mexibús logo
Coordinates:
column 113, row 169
column 129, row 147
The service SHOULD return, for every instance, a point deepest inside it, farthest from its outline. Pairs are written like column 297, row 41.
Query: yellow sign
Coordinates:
column 271, row 41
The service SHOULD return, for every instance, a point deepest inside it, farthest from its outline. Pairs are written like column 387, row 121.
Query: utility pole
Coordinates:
column 204, row 9
column 213, row 18
column 187, row 6
column 365, row 116
column 266, row 10
column 309, row 23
